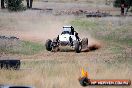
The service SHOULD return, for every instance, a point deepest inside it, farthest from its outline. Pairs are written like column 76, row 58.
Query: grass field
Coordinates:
column 23, row 47
column 43, row 69
column 51, row 70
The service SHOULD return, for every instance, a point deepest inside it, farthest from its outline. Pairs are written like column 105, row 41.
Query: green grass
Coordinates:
column 84, row 24
column 25, row 48
column 31, row 47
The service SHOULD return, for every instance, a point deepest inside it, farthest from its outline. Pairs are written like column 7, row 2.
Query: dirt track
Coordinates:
column 36, row 26
column 39, row 24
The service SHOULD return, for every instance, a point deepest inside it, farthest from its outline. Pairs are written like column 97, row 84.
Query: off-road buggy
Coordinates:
column 68, row 37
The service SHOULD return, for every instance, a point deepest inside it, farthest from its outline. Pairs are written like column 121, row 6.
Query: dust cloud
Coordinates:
column 39, row 28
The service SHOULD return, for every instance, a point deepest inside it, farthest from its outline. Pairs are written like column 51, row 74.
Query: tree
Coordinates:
column 117, row 3
column 14, row 5
column 2, row 4
column 129, row 2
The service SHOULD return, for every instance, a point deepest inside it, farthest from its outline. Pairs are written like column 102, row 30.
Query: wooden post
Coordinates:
column 27, row 3
column 31, row 2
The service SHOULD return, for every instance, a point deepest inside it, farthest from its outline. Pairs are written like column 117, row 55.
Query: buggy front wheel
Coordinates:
column 77, row 47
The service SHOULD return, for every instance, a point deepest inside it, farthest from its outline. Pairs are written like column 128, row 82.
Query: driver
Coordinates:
column 76, row 34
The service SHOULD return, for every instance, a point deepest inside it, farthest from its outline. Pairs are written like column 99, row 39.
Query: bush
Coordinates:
column 118, row 2
column 14, row 5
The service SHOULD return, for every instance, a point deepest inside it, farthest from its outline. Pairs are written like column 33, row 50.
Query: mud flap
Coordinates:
column 84, row 44
column 55, row 46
